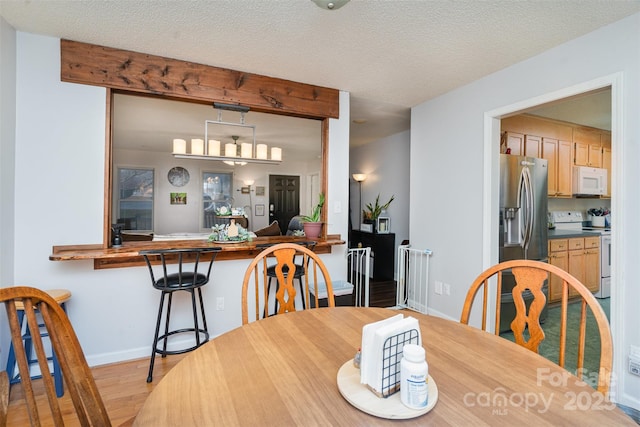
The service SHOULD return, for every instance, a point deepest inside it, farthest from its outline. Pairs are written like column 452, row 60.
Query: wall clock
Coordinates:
column 178, row 176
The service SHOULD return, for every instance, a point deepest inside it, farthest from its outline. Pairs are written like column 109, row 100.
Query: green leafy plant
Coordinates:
column 315, row 214
column 373, row 210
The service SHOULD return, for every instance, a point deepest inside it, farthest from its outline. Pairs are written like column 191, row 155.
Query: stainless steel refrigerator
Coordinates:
column 523, row 220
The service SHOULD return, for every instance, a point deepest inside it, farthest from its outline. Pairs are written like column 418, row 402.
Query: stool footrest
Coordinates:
column 163, row 337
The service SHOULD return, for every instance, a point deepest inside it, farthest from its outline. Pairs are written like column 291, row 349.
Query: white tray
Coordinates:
column 391, row 407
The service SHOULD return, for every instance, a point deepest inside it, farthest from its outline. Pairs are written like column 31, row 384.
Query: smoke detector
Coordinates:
column 330, row 4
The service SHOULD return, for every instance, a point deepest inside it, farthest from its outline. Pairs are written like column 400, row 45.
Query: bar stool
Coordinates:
column 61, row 296
column 169, row 283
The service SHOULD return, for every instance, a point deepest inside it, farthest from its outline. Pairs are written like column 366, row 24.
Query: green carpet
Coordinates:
column 549, row 348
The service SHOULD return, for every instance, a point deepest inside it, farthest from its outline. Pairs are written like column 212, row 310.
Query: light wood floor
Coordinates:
column 123, row 387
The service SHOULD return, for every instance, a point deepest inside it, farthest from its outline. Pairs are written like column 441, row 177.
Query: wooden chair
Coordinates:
column 81, row 386
column 61, row 296
column 256, row 280
column 531, row 275
column 297, row 274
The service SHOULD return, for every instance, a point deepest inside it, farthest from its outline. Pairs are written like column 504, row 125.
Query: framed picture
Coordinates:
column 260, row 191
column 245, row 190
column 259, row 210
column 383, row 225
column 366, row 227
column 178, row 198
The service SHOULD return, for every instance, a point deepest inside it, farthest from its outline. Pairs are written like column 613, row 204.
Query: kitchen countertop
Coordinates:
column 568, row 234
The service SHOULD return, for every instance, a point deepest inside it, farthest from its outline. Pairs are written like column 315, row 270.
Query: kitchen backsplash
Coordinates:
column 582, row 205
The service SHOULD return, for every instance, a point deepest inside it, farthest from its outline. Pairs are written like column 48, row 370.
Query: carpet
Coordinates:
column 549, row 348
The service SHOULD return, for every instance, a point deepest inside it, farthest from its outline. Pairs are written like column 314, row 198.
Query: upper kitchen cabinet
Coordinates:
column 519, row 144
column 587, row 147
column 606, row 158
column 562, row 144
column 558, row 155
column 545, row 139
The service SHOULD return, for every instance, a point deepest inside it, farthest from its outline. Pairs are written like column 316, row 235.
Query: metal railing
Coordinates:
column 413, row 278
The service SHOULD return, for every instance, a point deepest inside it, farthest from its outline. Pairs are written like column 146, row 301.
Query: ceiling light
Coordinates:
column 234, row 154
column 330, row 4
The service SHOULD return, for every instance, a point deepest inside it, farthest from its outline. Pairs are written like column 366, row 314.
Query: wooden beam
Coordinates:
column 138, row 72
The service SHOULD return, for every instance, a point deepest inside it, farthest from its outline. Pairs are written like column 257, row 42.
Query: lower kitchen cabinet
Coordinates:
column 558, row 256
column 580, row 257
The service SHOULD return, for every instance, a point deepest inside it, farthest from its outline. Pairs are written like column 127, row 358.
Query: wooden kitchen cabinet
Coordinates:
column 580, row 257
column 576, row 262
column 587, row 147
column 520, row 144
column 592, row 263
column 606, row 159
column 514, row 142
column 532, row 146
column 558, row 256
column 559, row 163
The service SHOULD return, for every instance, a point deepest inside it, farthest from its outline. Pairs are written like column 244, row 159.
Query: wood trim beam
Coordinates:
column 137, row 72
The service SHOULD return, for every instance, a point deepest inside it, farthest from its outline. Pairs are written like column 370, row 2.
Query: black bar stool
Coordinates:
column 189, row 280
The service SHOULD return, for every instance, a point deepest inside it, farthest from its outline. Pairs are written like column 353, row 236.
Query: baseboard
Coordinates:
column 134, row 353
column 437, row 313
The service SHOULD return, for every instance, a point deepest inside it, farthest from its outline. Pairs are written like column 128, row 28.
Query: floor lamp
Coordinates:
column 249, row 183
column 359, row 177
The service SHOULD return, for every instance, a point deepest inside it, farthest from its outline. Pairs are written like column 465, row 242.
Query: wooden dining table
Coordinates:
column 283, row 371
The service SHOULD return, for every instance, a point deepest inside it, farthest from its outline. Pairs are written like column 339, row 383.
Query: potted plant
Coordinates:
column 372, row 211
column 311, row 223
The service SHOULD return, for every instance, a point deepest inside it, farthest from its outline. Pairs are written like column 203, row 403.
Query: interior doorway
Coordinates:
column 491, row 180
column 284, row 199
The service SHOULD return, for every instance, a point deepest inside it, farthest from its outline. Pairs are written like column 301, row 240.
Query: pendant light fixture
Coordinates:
column 230, row 152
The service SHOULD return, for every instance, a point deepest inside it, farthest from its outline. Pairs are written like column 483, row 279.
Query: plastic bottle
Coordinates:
column 414, row 377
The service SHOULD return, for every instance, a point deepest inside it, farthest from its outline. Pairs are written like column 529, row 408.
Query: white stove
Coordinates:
column 574, row 220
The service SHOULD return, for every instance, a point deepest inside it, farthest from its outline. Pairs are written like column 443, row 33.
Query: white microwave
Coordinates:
column 589, row 181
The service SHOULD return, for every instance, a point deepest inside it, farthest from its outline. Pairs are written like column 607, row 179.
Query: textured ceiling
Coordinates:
column 391, row 55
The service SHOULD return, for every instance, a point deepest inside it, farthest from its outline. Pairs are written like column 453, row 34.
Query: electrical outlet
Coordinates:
column 220, row 303
column 438, row 287
column 447, row 289
column 634, row 360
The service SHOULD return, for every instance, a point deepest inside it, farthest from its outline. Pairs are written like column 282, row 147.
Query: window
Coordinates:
column 135, row 199
column 216, row 194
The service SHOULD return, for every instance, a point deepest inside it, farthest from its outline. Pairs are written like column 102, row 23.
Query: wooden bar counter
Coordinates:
column 127, row 254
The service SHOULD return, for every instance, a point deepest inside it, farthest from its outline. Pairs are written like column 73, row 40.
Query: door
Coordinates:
column 284, row 199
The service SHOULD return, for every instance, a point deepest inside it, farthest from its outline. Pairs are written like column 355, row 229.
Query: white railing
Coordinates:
column 359, row 263
column 413, row 278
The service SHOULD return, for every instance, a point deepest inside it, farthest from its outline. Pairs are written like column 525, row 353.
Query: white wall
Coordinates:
column 385, row 163
column 60, row 136
column 7, row 163
column 189, row 217
column 448, row 170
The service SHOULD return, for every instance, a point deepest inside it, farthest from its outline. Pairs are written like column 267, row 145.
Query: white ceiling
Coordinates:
column 390, row 55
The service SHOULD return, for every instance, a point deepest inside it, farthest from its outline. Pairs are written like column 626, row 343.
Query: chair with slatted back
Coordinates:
column 81, row 387
column 530, row 276
column 256, row 281
column 61, row 296
column 299, row 271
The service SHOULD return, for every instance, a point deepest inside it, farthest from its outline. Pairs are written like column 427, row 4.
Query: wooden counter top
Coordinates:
column 127, row 255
